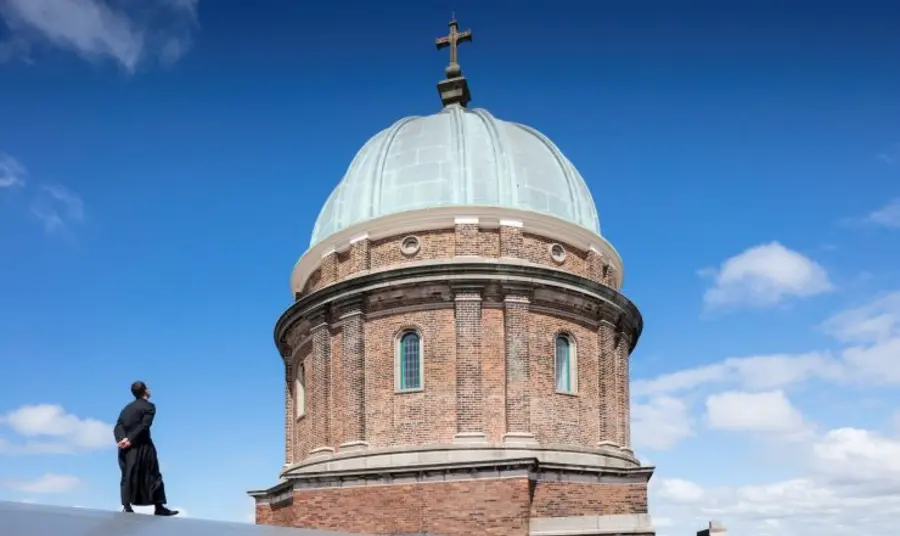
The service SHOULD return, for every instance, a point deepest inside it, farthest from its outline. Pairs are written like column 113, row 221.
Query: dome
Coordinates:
column 457, row 157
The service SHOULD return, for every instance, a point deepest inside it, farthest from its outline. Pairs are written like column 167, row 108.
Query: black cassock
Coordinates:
column 142, row 483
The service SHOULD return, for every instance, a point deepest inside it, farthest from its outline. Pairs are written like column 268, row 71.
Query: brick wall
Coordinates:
column 559, row 417
column 464, row 239
column 489, row 507
column 558, row 499
column 463, row 508
column 486, row 369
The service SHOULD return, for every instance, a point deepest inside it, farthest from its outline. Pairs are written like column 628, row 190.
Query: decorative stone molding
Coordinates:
column 557, row 253
column 410, row 245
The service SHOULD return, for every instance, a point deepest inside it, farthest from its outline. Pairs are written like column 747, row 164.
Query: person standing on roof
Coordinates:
column 142, row 482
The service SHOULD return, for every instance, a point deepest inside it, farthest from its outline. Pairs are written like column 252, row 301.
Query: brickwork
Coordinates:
column 518, row 370
column 563, row 418
column 493, row 360
column 288, row 412
column 537, row 250
column 491, row 507
column 558, row 499
column 433, row 245
column 488, row 358
column 359, row 257
column 353, row 361
column 464, row 240
column 606, row 371
column 511, row 242
column 301, row 433
column 318, row 389
column 467, row 239
column 411, row 418
column 469, row 367
column 488, row 370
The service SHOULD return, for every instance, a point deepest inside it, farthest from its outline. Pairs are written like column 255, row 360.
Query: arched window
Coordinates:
column 409, row 362
column 566, row 365
column 300, row 391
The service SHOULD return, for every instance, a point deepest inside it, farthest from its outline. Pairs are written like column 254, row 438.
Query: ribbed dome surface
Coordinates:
column 457, row 157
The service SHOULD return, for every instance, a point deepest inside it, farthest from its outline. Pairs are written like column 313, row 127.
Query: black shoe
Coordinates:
column 127, row 509
column 163, row 511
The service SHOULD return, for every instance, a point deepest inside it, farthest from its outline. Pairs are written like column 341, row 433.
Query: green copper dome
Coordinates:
column 457, row 157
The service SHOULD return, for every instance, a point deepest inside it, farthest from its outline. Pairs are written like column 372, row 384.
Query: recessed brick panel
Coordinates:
column 467, row 240
column 417, row 418
column 557, row 417
column 464, row 239
column 560, row 499
column 491, row 507
column 469, row 365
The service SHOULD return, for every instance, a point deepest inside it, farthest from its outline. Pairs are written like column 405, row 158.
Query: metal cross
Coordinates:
column 453, row 39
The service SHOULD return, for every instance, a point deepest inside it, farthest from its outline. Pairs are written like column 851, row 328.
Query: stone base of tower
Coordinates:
column 510, row 497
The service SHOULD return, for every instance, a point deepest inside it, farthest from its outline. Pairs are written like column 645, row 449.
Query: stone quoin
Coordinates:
column 457, row 354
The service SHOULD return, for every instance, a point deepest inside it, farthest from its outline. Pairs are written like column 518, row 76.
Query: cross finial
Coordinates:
column 454, row 89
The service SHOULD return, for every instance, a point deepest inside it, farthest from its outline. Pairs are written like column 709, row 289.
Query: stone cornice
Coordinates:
column 468, row 273
column 529, row 467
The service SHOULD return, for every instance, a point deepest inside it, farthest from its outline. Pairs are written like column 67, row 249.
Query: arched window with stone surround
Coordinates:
column 409, row 361
column 566, row 365
column 300, row 391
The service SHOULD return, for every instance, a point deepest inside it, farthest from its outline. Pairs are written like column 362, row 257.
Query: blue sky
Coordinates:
column 163, row 163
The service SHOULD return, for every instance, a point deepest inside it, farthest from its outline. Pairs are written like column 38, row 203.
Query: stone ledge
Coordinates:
column 632, row 524
column 522, row 465
column 410, row 456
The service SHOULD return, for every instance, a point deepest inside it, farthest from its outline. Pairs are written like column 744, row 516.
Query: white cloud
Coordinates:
column 887, row 216
column 849, row 484
column 876, row 321
column 659, row 423
column 124, row 31
column 48, row 483
column 48, row 429
column 769, row 411
column 12, row 173
column 754, row 373
column 680, row 491
column 765, row 275
column 57, row 206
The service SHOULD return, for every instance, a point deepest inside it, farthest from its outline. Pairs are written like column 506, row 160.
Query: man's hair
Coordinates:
column 138, row 389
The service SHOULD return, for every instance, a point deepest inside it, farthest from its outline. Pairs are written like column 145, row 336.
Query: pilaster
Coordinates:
column 353, row 359
column 319, row 390
column 466, row 243
column 609, row 401
column 288, row 411
column 359, row 254
column 623, row 346
column 329, row 268
column 516, row 305
column 512, row 243
column 469, row 369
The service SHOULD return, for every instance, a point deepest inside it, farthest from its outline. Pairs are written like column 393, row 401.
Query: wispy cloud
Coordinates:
column 887, row 216
column 12, row 173
column 48, row 483
column 56, row 207
column 891, row 156
column 123, row 30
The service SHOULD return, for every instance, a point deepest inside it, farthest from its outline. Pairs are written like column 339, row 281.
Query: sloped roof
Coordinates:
column 21, row 519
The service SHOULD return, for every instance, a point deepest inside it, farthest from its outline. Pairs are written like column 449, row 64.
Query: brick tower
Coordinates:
column 456, row 357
